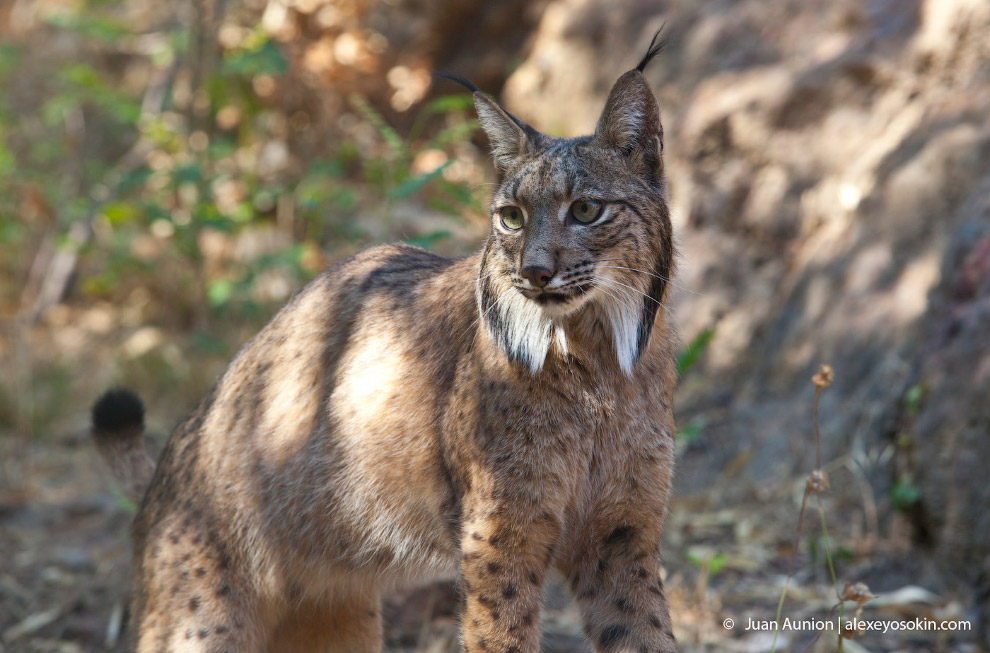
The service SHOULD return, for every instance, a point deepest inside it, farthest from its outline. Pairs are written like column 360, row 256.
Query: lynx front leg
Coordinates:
column 618, row 588
column 506, row 551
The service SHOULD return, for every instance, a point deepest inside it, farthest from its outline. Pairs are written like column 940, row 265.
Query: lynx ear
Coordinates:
column 630, row 122
column 509, row 136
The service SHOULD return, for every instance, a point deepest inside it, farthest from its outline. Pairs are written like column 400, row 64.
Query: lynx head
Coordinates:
column 580, row 228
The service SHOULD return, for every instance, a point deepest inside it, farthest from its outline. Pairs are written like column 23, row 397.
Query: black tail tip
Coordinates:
column 117, row 410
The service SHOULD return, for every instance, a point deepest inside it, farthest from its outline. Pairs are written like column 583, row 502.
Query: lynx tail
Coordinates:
column 118, row 429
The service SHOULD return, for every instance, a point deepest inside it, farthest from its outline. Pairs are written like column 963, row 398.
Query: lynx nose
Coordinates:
column 537, row 275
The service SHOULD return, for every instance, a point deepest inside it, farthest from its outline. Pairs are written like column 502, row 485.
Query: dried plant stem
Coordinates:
column 831, row 568
column 814, row 421
column 817, row 483
column 790, row 569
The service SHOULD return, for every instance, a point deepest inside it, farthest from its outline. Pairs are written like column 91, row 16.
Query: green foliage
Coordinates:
column 690, row 355
column 67, row 146
column 914, row 397
column 123, row 502
column 904, row 493
column 712, row 563
column 689, row 433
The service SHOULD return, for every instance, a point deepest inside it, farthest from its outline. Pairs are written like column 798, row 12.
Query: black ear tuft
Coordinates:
column 656, row 47
column 117, row 410
column 460, row 79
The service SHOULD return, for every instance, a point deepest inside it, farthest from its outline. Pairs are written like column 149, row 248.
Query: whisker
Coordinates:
column 635, row 291
column 658, row 276
column 660, row 304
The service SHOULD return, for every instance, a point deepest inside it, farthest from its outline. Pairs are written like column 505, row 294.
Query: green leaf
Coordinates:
column 266, row 59
column 208, row 343
column 447, row 103
column 99, row 28
column 190, row 172
column 913, row 398
column 219, row 292
column 413, row 184
column 454, row 134
column 121, row 212
column 10, row 57
column 123, row 502
column 389, row 135
column 427, row 241
column 690, row 355
column 904, row 493
column 690, row 432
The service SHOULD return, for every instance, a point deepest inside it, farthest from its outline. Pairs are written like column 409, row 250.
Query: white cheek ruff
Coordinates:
column 623, row 314
column 525, row 331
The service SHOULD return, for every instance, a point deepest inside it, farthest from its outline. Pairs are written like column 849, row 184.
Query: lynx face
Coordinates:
column 580, row 229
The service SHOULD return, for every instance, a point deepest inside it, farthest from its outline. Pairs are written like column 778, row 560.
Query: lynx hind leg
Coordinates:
column 190, row 598
column 353, row 625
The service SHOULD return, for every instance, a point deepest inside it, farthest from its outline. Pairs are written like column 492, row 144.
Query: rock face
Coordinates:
column 830, row 172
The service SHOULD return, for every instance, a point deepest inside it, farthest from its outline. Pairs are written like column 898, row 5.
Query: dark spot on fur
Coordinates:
column 223, row 590
column 483, row 644
column 613, row 634
column 623, row 605
column 477, row 536
column 200, row 572
column 204, row 633
column 602, row 565
column 189, row 634
column 587, row 593
column 493, row 567
column 640, row 572
column 509, row 591
column 486, row 601
column 655, row 621
column 194, row 603
column 528, row 618
column 512, row 649
column 619, row 535
column 534, row 578
column 495, row 540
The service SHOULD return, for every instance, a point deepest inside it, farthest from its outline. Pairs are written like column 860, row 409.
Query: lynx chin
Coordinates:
column 405, row 417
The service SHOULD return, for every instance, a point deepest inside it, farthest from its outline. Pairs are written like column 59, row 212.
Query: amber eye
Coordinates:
column 586, row 211
column 512, row 217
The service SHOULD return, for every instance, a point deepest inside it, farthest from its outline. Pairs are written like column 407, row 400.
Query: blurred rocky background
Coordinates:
column 171, row 172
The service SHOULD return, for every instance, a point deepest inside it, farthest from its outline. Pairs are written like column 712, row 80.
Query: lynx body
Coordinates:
column 407, row 416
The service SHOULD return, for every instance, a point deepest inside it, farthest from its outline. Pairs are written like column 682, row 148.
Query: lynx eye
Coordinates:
column 512, row 217
column 586, row 211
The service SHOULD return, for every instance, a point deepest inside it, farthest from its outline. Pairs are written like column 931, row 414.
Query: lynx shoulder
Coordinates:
column 406, row 416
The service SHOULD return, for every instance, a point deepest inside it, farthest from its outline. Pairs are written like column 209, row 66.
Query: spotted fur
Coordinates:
column 408, row 416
